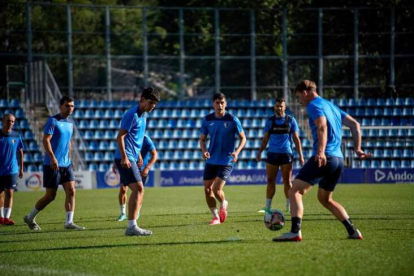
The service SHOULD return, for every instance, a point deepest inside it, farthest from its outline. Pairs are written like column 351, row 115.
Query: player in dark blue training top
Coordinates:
column 129, row 141
column 148, row 157
column 280, row 130
column 326, row 164
column 11, row 166
column 222, row 128
column 57, row 168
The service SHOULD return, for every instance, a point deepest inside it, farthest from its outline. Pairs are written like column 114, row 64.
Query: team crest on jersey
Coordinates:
column 226, row 125
column 13, row 141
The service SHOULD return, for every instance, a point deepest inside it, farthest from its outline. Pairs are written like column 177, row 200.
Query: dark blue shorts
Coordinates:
column 8, row 182
column 130, row 175
column 212, row 171
column 52, row 178
column 279, row 159
column 327, row 176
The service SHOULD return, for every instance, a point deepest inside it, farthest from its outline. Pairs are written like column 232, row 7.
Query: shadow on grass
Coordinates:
column 119, row 246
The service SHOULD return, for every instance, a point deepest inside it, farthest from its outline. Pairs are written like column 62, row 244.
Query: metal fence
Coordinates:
column 273, row 51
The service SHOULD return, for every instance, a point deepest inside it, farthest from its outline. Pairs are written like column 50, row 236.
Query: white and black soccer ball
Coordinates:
column 274, row 220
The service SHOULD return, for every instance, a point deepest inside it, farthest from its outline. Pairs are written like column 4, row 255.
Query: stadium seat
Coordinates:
column 387, row 153
column 397, row 153
column 112, row 145
column 88, row 156
column 89, row 114
column 37, row 157
column 103, row 145
column 385, row 122
column 98, row 156
column 93, row 124
column 371, row 102
column 28, row 135
column 399, row 102
column 405, row 164
column 93, row 167
column 118, row 113
column 409, row 102
column 374, row 164
column 103, row 167
column 389, row 102
column 343, row 102
column 93, row 145
column 395, row 164
column 33, row 146
column 32, row 168
column 109, row 114
column 385, row 164
column 27, row 158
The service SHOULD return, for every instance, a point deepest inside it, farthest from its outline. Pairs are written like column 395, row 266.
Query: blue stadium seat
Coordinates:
column 114, row 124
column 378, row 112
column 4, row 103
column 385, row 164
column 103, row 167
column 93, row 124
column 118, row 113
column 88, row 156
column 112, row 145
column 182, row 144
column 407, row 111
column 395, row 164
column 98, row 114
column 387, row 153
column 385, row 122
column 380, row 102
column 109, row 114
column 375, row 122
column 98, row 134
column 192, row 144
column 352, row 102
column 33, row 146
column 410, row 132
column 405, row 164
column 27, row 158
column 89, row 114
column 93, row 145
column 103, row 145
column 83, row 124
column 369, row 112
column 251, row 164
column 98, row 156
column 396, row 112
column 92, row 167
column 397, row 153
column 402, row 132
column 365, row 164
column 383, row 132
column 88, row 134
column 389, row 102
column 371, row 102
column 378, row 153
column 362, row 102
column 109, row 134
column 343, row 102
column 78, row 114
column 37, row 157
column 103, row 124
column 28, row 135
column 409, row 102
column 32, row 168
column 399, row 102
column 374, row 164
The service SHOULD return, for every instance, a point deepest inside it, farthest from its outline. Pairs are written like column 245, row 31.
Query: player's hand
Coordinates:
column 21, row 173
column 301, row 160
column 258, row 156
column 235, row 156
column 125, row 163
column 206, row 155
column 140, row 161
column 321, row 159
column 145, row 172
column 54, row 164
column 362, row 155
column 114, row 170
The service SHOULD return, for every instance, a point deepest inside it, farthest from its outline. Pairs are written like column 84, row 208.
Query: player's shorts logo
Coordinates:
column 111, row 179
column 34, row 182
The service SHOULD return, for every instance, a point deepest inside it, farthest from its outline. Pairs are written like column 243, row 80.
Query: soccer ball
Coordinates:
column 274, row 220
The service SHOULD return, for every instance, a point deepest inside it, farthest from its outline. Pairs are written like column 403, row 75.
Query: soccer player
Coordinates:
column 148, row 150
column 280, row 129
column 326, row 164
column 129, row 141
column 11, row 166
column 57, row 168
column 222, row 128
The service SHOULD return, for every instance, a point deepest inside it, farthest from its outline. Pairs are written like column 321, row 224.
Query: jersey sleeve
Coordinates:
column 20, row 145
column 151, row 145
column 294, row 126
column 127, row 121
column 343, row 113
column 238, row 125
column 268, row 125
column 204, row 128
column 50, row 126
column 314, row 112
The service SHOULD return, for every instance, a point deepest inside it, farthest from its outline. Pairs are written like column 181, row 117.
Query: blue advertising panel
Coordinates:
column 353, row 176
column 110, row 180
column 389, row 176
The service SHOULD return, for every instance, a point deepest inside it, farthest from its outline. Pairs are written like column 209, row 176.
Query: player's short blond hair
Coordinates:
column 306, row 85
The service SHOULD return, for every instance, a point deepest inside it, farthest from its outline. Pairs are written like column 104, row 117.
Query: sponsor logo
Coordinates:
column 211, row 124
column 226, row 125
column 111, row 179
column 167, row 181
column 379, row 175
column 34, row 182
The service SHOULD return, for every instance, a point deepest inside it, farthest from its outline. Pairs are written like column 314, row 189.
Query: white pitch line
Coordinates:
column 41, row 270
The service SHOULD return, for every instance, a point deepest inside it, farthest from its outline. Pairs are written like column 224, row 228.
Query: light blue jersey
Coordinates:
column 61, row 131
column 321, row 107
column 280, row 130
column 222, row 132
column 147, row 147
column 134, row 122
column 9, row 145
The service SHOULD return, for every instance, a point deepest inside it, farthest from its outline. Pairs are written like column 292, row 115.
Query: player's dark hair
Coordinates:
column 306, row 85
column 66, row 98
column 219, row 96
column 280, row 100
column 150, row 93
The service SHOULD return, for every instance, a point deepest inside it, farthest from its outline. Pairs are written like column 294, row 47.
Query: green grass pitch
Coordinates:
column 184, row 244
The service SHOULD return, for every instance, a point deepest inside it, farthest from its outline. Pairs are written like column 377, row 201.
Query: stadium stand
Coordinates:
column 174, row 127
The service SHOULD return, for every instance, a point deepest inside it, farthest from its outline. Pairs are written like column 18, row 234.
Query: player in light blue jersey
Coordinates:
column 280, row 130
column 129, row 141
column 11, row 166
column 57, row 168
column 147, row 158
column 222, row 128
column 326, row 164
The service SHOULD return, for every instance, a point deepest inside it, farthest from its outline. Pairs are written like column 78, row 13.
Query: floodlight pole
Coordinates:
column 253, row 92
column 217, row 48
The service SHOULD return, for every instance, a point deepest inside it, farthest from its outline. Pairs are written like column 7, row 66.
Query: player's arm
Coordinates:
column 120, row 140
column 20, row 159
column 242, row 142
column 48, row 149
column 206, row 154
column 265, row 140
column 355, row 128
column 140, row 161
column 151, row 162
column 322, row 131
column 298, row 145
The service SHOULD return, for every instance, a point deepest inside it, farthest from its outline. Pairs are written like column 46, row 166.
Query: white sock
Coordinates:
column 2, row 212
column 7, row 212
column 224, row 204
column 132, row 223
column 214, row 211
column 32, row 214
column 287, row 202
column 268, row 203
column 123, row 207
column 69, row 217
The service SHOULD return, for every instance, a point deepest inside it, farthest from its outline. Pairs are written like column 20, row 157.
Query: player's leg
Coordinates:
column 211, row 201
column 1, row 204
column 287, row 182
column 70, row 192
column 271, row 172
column 217, row 187
column 8, row 205
column 144, row 181
column 135, row 200
column 122, row 198
column 49, row 196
